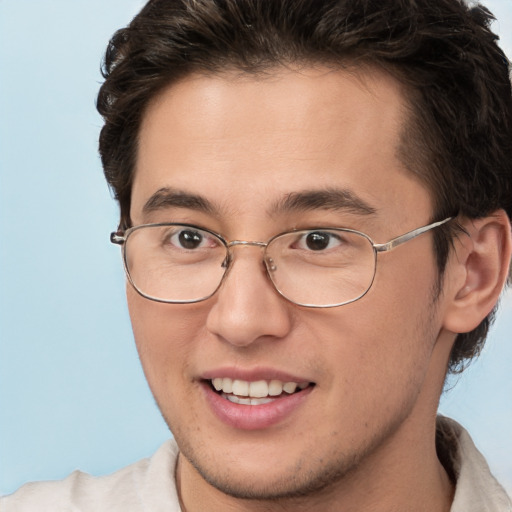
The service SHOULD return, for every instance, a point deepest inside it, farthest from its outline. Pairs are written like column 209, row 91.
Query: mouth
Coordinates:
column 253, row 393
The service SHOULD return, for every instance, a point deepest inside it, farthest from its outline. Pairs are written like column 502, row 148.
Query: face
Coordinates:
column 370, row 370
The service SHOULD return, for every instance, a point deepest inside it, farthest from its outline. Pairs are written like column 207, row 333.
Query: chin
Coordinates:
column 263, row 479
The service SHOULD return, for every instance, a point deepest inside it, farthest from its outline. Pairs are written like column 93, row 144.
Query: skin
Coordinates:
column 364, row 437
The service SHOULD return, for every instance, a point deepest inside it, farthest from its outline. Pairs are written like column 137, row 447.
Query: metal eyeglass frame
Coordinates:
column 120, row 237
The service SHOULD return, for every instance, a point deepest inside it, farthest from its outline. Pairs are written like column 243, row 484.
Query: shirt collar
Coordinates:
column 476, row 489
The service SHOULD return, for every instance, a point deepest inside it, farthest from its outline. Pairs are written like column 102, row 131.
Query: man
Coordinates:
column 315, row 220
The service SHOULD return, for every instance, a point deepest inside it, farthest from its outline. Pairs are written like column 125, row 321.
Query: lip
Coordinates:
column 253, row 417
column 253, row 374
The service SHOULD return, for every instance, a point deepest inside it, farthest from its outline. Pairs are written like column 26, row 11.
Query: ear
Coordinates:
column 477, row 271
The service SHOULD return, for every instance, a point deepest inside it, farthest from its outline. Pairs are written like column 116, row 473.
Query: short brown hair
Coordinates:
column 459, row 136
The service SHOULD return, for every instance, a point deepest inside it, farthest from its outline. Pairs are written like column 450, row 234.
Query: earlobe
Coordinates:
column 479, row 270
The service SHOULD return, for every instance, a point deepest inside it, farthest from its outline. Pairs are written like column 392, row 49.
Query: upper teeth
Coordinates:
column 258, row 389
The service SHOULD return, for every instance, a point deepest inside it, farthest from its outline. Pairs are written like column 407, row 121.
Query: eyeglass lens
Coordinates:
column 175, row 263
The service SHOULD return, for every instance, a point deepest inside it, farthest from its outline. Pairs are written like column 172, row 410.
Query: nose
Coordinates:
column 247, row 307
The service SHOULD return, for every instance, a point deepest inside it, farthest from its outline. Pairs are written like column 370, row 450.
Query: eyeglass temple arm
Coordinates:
column 399, row 240
column 117, row 239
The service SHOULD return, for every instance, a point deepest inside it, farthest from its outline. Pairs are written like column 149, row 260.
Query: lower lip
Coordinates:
column 254, row 417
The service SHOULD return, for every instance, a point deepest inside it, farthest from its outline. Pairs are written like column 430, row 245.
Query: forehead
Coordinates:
column 253, row 139
column 307, row 100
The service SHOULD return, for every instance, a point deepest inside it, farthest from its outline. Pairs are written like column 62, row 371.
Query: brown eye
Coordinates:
column 189, row 239
column 317, row 241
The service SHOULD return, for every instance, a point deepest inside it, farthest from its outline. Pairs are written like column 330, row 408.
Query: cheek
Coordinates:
column 164, row 335
column 403, row 293
column 383, row 342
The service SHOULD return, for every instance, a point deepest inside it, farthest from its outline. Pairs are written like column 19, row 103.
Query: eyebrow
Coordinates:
column 172, row 198
column 327, row 199
column 308, row 200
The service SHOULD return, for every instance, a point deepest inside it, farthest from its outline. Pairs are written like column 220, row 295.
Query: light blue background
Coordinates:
column 72, row 394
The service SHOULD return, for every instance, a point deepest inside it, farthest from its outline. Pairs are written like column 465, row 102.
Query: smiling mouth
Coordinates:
column 255, row 393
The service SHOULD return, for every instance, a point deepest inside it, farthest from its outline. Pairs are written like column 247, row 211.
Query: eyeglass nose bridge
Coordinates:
column 246, row 243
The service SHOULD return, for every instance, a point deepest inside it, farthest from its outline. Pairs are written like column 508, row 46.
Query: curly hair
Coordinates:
column 458, row 135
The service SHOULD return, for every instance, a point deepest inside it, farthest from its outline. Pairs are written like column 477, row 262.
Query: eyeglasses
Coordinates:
column 318, row 268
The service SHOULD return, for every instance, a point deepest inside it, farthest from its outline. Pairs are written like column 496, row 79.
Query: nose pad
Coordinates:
column 269, row 263
column 227, row 261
